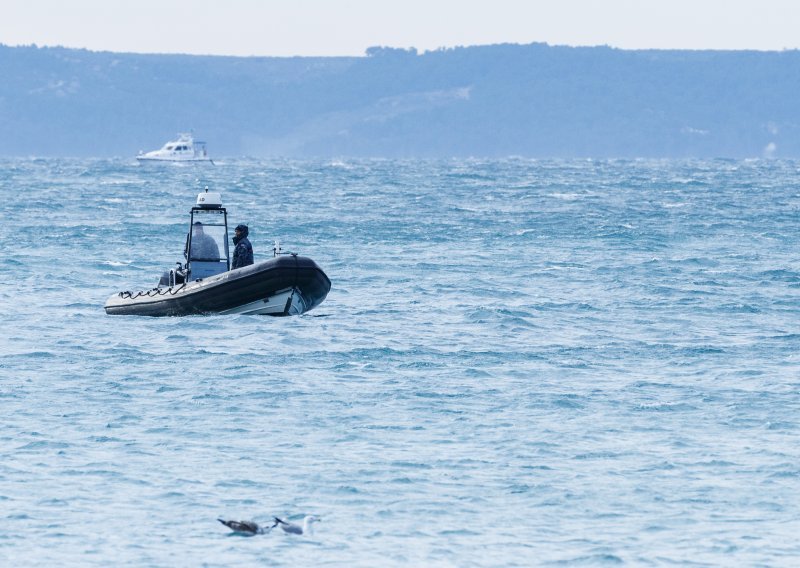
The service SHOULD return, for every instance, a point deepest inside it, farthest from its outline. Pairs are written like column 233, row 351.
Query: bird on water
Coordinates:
column 245, row 527
column 252, row 528
column 291, row 528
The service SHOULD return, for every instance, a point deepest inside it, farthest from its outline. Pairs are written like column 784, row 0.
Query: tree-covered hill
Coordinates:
column 500, row 100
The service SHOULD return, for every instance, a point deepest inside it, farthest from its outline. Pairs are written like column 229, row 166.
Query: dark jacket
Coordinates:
column 242, row 253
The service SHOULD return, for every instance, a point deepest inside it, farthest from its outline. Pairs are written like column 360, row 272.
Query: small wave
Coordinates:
column 566, row 196
column 602, row 559
column 116, row 263
column 664, row 407
column 44, row 445
column 780, row 275
column 786, row 474
column 741, row 309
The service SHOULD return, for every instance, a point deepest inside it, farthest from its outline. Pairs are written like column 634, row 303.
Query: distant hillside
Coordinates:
column 493, row 101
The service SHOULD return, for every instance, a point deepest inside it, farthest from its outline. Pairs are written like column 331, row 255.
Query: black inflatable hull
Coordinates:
column 281, row 286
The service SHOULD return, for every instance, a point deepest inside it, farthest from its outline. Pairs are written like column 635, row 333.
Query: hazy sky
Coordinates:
column 348, row 27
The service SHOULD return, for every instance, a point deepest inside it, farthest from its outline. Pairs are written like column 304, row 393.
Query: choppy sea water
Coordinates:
column 519, row 363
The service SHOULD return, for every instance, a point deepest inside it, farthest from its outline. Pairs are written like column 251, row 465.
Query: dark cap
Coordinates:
column 242, row 228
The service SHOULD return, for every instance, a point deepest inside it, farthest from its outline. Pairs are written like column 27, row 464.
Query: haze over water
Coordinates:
column 519, row 363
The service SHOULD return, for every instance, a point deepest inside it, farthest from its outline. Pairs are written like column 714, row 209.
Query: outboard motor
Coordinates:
column 173, row 276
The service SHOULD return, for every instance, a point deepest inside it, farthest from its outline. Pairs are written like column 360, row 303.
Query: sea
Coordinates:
column 520, row 363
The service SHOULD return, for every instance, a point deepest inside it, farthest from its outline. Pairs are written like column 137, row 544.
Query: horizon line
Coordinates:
column 410, row 50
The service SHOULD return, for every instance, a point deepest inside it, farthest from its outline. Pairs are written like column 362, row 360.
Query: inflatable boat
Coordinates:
column 284, row 285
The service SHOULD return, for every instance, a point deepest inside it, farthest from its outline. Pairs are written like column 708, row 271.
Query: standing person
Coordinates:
column 243, row 251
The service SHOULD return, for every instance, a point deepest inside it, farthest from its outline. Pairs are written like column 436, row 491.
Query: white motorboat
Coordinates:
column 184, row 149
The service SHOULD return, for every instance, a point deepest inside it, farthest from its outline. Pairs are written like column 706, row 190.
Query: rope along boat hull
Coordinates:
column 280, row 286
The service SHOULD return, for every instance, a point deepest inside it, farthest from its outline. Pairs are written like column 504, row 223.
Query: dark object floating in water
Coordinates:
column 284, row 285
column 245, row 527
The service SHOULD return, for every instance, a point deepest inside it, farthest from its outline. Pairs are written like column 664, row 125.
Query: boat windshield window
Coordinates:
column 208, row 236
column 208, row 243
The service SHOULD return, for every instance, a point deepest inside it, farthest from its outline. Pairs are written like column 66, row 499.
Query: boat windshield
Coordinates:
column 208, row 237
